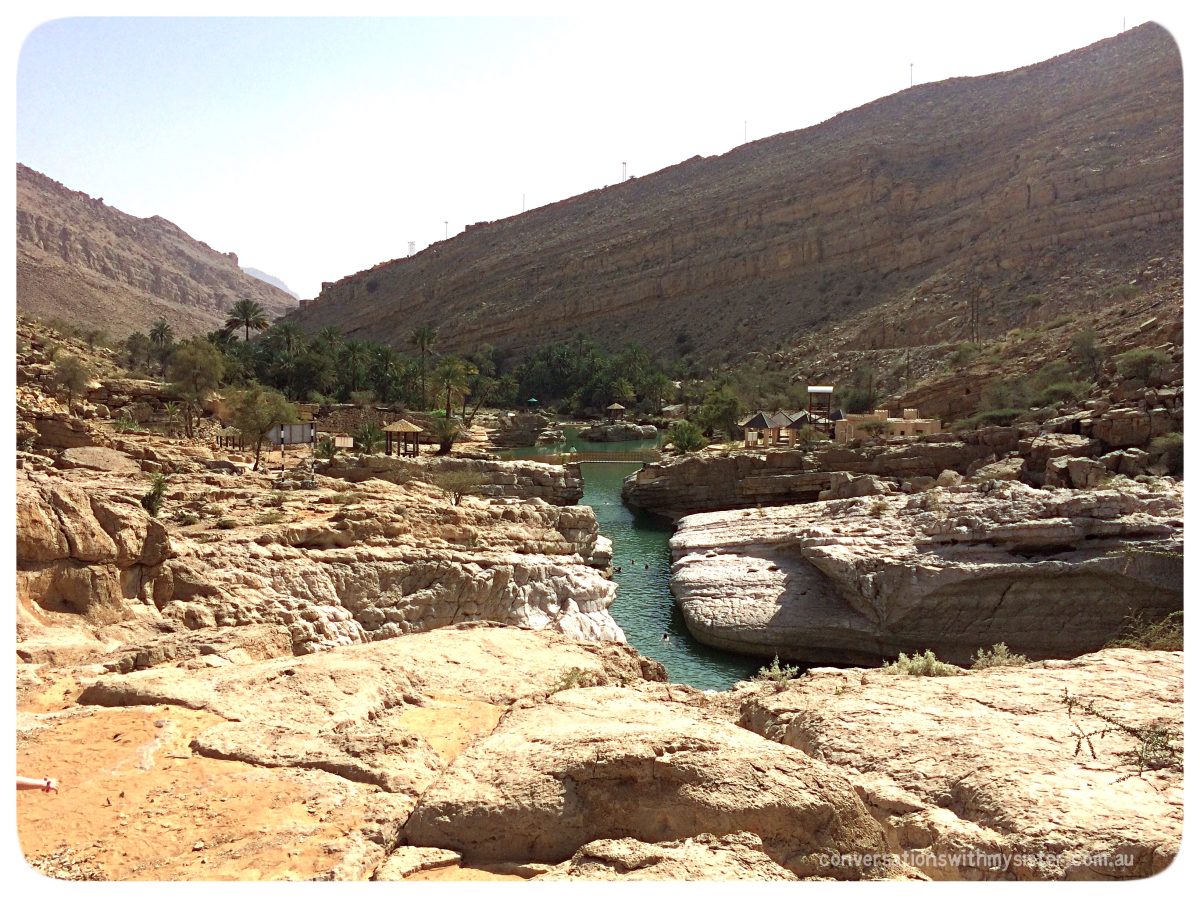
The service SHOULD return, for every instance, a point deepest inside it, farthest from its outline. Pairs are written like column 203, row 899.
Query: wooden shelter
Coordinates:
column 403, row 431
column 754, row 428
column 615, row 411
column 230, row 438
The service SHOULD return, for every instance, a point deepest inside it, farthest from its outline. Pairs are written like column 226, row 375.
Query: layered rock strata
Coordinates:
column 983, row 182
column 1050, row 573
column 704, row 483
column 334, row 565
column 89, row 264
column 521, row 479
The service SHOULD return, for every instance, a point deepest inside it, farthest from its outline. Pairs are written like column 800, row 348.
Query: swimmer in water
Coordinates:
column 666, row 638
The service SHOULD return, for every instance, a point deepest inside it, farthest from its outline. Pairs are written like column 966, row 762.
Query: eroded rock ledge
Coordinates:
column 978, row 776
column 337, row 565
column 1051, row 573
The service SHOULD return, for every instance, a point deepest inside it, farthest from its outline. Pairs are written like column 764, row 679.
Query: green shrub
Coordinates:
column 575, row 678
column 686, row 437
column 325, row 449
column 226, row 523
column 926, row 664
column 1167, row 449
column 1164, row 634
column 1141, row 363
column 1062, row 391
column 368, row 438
column 998, row 656
column 126, row 424
column 778, row 674
column 458, row 482
column 186, row 517
column 1083, row 345
column 989, row 417
column 152, row 500
column 963, row 355
column 271, row 517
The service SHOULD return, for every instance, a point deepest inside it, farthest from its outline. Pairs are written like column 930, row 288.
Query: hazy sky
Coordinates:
column 317, row 147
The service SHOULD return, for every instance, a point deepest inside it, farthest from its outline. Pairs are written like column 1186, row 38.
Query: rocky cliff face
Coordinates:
column 96, row 267
column 703, row 483
column 338, row 567
column 953, row 570
column 995, row 188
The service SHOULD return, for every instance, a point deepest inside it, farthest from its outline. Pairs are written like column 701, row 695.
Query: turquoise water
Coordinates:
column 644, row 607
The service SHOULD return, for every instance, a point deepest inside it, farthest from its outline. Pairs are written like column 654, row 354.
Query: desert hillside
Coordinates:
column 93, row 266
column 1058, row 181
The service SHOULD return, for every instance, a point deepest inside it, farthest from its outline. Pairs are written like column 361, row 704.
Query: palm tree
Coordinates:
column 246, row 314
column 423, row 339
column 454, row 376
column 290, row 335
column 162, row 336
column 354, row 360
column 330, row 337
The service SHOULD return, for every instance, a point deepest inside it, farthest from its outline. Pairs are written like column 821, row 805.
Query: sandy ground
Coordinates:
column 135, row 803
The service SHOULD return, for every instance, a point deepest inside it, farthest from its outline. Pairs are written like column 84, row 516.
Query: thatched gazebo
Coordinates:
column 403, row 431
column 615, row 411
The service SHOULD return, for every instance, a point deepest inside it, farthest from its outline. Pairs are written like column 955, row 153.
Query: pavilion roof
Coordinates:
column 614, row 406
column 757, row 421
column 403, row 426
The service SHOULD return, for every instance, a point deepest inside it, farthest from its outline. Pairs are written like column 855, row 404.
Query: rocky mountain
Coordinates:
column 90, row 265
column 957, row 206
column 270, row 279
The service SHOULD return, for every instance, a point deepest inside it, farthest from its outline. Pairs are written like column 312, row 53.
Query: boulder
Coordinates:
column 843, row 485
column 605, row 762
column 1039, row 450
column 98, row 459
column 992, row 775
column 1052, row 573
column 705, row 857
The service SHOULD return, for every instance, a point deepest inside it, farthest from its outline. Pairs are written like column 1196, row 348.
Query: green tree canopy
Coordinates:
column 246, row 314
column 256, row 410
column 71, row 374
column 195, row 371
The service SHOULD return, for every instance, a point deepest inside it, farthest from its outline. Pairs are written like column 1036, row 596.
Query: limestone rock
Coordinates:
column 981, row 776
column 1008, row 469
column 619, row 431
column 351, row 712
column 704, row 857
column 406, row 861
column 101, row 459
column 508, row 479
column 704, row 483
column 206, row 646
column 1040, row 450
column 1050, row 573
column 843, row 485
column 597, row 763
